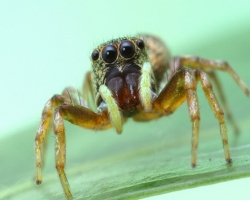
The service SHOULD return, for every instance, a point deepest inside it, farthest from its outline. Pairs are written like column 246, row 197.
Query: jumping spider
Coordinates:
column 133, row 77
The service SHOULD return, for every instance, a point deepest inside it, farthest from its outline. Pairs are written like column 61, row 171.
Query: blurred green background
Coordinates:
column 45, row 46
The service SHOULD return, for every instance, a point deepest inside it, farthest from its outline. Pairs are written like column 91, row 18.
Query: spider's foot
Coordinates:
column 38, row 182
column 229, row 160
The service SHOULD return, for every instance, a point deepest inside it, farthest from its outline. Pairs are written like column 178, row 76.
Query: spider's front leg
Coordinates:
column 80, row 116
column 42, row 133
column 63, row 107
column 181, row 87
column 70, row 96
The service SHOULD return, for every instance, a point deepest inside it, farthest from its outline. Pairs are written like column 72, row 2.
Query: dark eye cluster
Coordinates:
column 110, row 52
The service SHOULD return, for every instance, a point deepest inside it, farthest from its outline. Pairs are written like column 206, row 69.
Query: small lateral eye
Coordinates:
column 109, row 54
column 140, row 43
column 95, row 55
column 127, row 49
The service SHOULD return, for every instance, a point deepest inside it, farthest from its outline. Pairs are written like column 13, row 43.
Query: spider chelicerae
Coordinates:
column 134, row 77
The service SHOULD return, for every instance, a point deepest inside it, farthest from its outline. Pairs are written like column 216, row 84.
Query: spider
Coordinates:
column 133, row 77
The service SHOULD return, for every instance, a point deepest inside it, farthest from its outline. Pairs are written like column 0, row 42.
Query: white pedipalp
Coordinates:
column 145, row 87
column 113, row 109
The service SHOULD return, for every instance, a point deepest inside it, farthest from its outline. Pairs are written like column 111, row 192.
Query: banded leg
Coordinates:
column 208, row 90
column 181, row 87
column 42, row 133
column 207, row 65
column 80, row 116
column 224, row 102
column 68, row 97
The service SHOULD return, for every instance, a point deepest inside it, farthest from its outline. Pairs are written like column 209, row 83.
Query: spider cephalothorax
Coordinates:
column 126, row 76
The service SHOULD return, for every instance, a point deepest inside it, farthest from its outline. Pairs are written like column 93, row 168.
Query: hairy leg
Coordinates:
column 181, row 87
column 208, row 90
column 87, row 89
column 42, row 133
column 206, row 66
column 80, row 116
column 210, row 66
column 69, row 96
column 228, row 113
column 63, row 107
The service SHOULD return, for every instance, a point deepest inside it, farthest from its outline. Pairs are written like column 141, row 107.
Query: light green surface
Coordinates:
column 45, row 47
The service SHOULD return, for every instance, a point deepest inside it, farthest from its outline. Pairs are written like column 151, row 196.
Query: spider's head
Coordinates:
column 118, row 65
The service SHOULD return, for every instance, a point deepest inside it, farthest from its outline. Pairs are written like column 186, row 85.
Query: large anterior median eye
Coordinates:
column 109, row 54
column 127, row 49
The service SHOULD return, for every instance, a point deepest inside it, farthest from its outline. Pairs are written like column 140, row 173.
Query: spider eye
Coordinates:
column 95, row 55
column 127, row 49
column 140, row 43
column 109, row 53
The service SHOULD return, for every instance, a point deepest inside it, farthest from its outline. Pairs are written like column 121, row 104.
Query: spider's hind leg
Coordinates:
column 215, row 106
column 228, row 113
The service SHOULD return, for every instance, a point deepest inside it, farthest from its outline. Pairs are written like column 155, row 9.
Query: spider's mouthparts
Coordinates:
column 124, row 85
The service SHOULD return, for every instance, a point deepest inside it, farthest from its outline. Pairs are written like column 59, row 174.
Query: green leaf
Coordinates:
column 148, row 158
